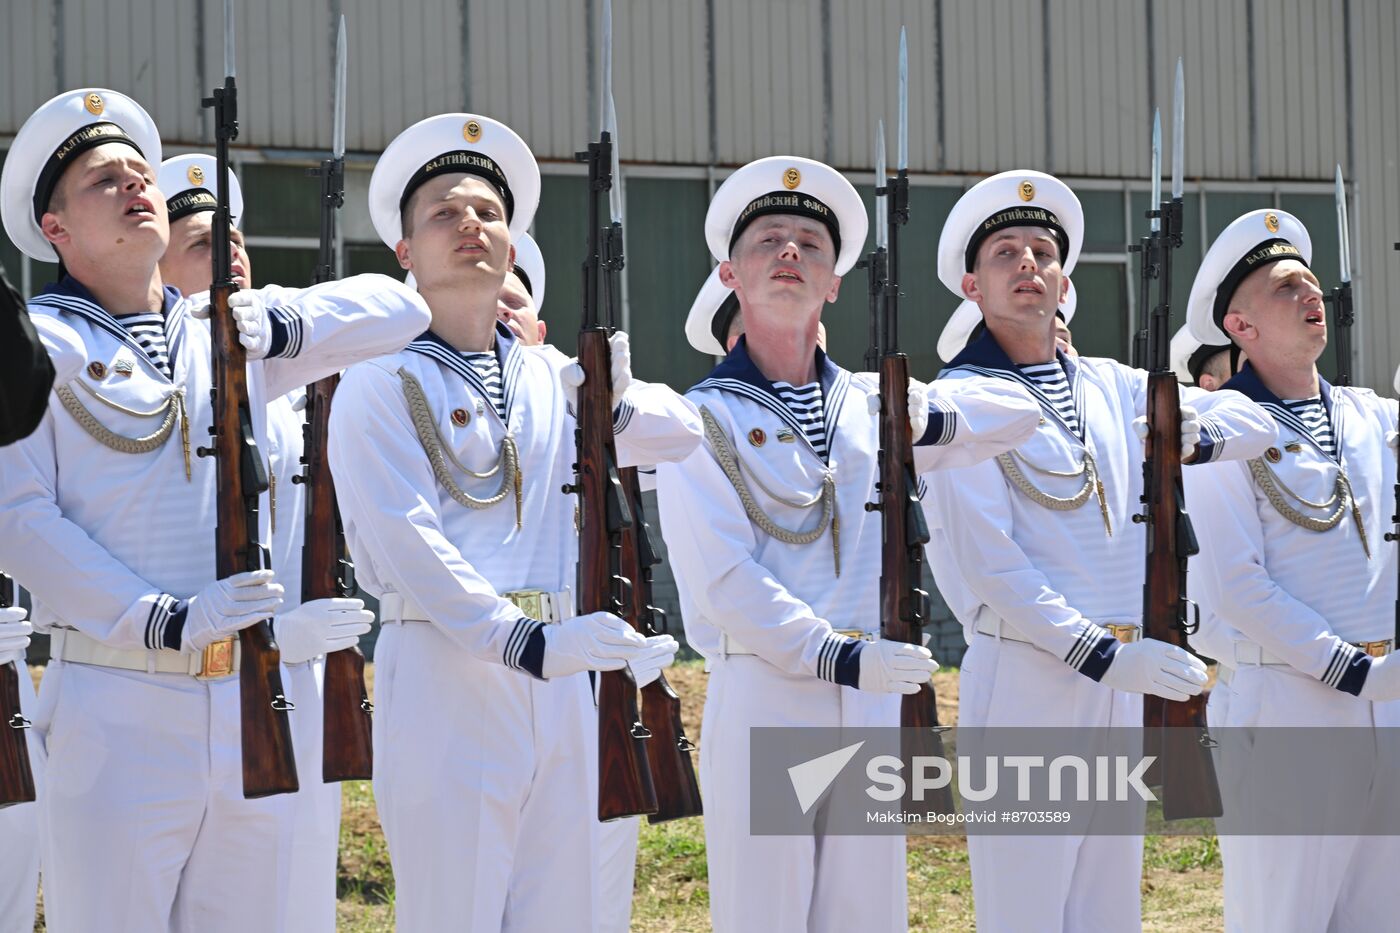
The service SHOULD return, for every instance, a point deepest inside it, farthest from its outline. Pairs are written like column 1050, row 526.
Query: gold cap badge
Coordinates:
column 757, row 437
column 1271, row 221
column 94, row 105
column 96, row 370
column 471, row 132
column 792, row 178
column 460, row 417
column 195, row 175
column 1026, row 190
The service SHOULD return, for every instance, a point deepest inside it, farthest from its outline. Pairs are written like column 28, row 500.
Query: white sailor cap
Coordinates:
column 50, row 140
column 529, row 268
column 713, row 310
column 1012, row 199
column 788, row 185
column 454, row 142
column 958, row 331
column 1189, row 355
column 1250, row 242
column 190, row 184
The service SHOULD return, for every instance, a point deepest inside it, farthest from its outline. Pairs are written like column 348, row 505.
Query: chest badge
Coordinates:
column 1273, row 455
column 460, row 417
column 757, row 437
column 96, row 370
column 1293, row 447
column 122, row 367
column 786, row 437
column 480, row 408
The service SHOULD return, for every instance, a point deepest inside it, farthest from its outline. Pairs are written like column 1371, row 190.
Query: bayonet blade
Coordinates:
column 338, row 134
column 1156, row 201
column 903, row 142
column 615, row 191
column 605, row 98
column 881, row 180
column 1178, row 131
column 1343, row 231
column 229, row 68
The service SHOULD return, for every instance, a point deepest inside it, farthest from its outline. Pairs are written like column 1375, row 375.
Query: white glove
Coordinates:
column 1382, row 680
column 228, row 606
column 1155, row 667
column 1190, row 430
column 620, row 364
column 658, row 655
column 320, row 627
column 250, row 317
column 599, row 641
column 918, row 407
column 895, row 667
column 14, row 634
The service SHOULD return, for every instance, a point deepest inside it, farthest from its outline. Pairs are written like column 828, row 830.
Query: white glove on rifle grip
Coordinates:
column 620, row 365
column 1190, row 430
column 250, row 317
column 895, row 667
column 1155, row 667
column 14, row 634
column 321, row 626
column 226, row 607
column 918, row 407
column 599, row 641
column 659, row 653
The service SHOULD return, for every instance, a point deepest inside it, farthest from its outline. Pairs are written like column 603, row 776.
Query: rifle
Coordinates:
column 1174, row 731
column 16, row 776
column 625, row 786
column 268, row 764
column 347, row 752
column 1395, row 535
column 904, row 604
column 1340, row 298
column 668, row 752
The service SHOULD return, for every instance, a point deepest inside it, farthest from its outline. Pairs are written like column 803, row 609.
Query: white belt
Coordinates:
column 1251, row 655
column 729, row 646
column 221, row 659
column 537, row 604
column 993, row 625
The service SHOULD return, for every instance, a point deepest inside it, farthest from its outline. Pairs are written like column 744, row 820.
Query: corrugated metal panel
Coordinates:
column 1302, row 111
column 769, row 77
column 660, row 82
column 1210, row 36
column 27, row 46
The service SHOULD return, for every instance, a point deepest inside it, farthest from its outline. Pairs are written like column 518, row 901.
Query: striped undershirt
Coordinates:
column 1050, row 377
column 1314, row 417
column 489, row 369
column 806, row 405
column 148, row 330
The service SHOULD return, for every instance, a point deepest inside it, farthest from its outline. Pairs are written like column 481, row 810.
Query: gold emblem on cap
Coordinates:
column 460, row 417
column 93, row 103
column 471, row 132
column 1026, row 190
column 757, row 437
column 1271, row 221
column 1272, row 455
column 792, row 178
column 96, row 370
column 195, row 175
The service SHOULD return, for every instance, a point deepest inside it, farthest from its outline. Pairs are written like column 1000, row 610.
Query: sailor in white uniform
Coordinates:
column 775, row 556
column 1295, row 565
column 449, row 459
column 1042, row 540
column 107, row 517
column 310, row 629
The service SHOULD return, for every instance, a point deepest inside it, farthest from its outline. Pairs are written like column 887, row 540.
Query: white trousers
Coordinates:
column 143, row 821
column 1217, row 717
column 19, row 831
column 789, row 884
column 617, row 869
column 1049, row 884
column 316, row 808
column 1278, row 884
column 486, row 782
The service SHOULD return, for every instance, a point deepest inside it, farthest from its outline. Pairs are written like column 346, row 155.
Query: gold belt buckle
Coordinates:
column 856, row 633
column 1126, row 632
column 217, row 660
column 530, row 602
column 1375, row 649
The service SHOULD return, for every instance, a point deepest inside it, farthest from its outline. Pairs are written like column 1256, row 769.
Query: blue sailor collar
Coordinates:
column 986, row 357
column 1247, row 383
column 68, row 294
column 508, row 355
column 738, row 374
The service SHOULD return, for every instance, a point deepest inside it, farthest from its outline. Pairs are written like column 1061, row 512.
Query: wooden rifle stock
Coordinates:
column 16, row 775
column 668, row 750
